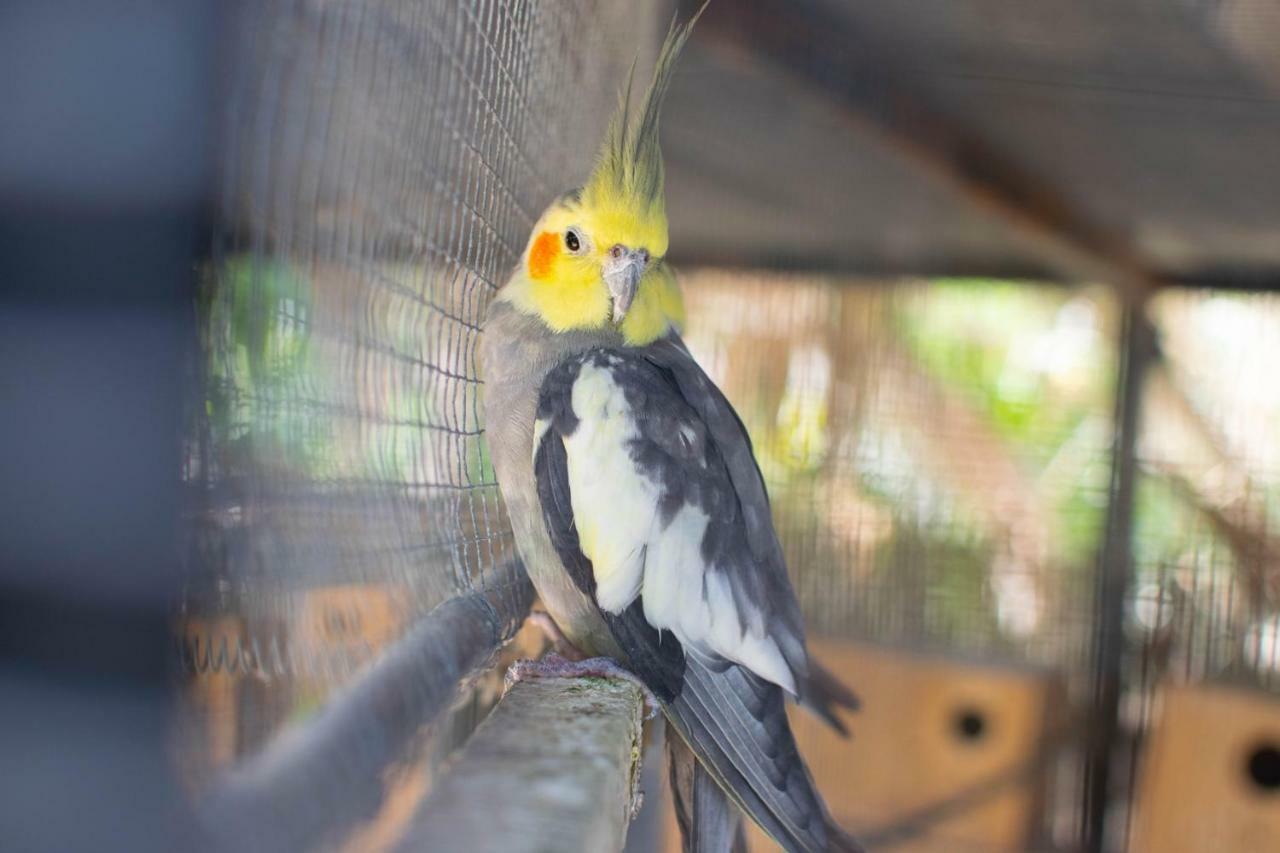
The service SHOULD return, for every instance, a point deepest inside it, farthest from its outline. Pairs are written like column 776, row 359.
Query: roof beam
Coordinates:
column 862, row 89
column 1249, row 30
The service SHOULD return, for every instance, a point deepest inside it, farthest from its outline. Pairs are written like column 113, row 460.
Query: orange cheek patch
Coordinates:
column 543, row 254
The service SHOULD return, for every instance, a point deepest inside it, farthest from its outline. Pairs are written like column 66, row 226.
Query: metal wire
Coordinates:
column 1208, row 594
column 1205, row 600
column 907, row 515
column 938, row 456
column 380, row 165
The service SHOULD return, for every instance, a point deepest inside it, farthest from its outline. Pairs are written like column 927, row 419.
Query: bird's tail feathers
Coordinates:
column 709, row 821
column 823, row 693
column 736, row 724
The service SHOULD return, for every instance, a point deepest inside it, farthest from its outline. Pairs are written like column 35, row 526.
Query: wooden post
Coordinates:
column 555, row 767
column 1114, row 573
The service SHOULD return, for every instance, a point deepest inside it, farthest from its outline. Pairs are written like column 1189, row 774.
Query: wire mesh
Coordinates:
column 1204, row 604
column 380, row 165
column 1207, row 597
column 936, row 454
column 939, row 459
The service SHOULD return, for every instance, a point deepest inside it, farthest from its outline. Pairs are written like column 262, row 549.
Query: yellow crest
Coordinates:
column 615, row 225
column 626, row 185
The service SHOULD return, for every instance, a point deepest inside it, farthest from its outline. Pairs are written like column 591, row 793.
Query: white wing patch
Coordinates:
column 620, row 529
column 683, row 595
column 613, row 507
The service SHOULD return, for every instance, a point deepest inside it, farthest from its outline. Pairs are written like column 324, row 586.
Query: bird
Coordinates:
column 636, row 503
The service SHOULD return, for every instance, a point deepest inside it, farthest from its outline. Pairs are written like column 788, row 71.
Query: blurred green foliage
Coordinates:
column 1036, row 364
column 354, row 393
column 994, row 341
column 255, row 324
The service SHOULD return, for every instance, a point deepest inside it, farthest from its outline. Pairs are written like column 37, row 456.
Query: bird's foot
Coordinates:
column 555, row 666
column 562, row 644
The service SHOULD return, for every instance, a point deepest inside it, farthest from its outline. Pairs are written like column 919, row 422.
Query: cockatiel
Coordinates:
column 633, row 491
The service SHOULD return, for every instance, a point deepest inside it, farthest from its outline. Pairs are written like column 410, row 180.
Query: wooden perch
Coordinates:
column 554, row 767
column 321, row 778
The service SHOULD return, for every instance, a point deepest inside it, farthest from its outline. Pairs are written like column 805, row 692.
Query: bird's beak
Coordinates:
column 623, row 270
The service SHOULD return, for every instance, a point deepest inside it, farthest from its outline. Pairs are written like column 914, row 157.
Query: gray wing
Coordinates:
column 817, row 688
column 670, row 509
column 642, row 503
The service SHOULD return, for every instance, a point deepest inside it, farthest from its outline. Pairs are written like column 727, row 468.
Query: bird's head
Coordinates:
column 595, row 257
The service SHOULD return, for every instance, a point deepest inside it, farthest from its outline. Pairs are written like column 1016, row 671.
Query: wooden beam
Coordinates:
column 554, row 767
column 861, row 88
column 1249, row 30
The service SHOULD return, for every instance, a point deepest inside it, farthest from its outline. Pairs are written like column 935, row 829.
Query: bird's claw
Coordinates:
column 562, row 644
column 555, row 666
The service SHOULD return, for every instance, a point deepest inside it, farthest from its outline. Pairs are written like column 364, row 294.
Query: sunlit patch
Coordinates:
column 543, row 254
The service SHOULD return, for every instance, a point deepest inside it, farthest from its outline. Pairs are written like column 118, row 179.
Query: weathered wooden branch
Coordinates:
column 554, row 767
column 326, row 775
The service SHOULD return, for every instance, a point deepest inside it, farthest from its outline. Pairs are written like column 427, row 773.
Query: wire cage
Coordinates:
column 379, row 166
column 940, row 458
column 995, row 477
column 364, row 219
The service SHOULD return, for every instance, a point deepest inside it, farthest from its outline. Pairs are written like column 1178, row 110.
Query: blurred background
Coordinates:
column 993, row 286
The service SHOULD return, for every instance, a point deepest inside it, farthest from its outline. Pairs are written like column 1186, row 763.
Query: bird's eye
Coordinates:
column 572, row 241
